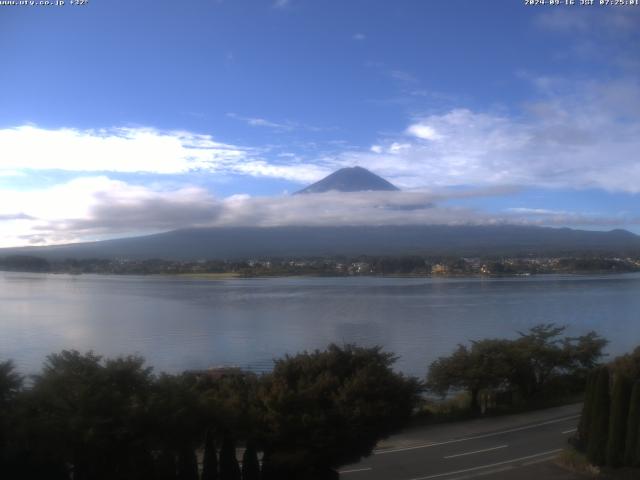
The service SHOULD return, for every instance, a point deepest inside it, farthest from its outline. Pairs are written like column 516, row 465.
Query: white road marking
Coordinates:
column 569, row 431
column 482, row 467
column 484, row 473
column 477, row 451
column 538, row 460
column 476, row 437
column 355, row 470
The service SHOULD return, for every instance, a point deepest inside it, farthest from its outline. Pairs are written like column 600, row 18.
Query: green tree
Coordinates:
column 10, row 387
column 210, row 459
column 176, row 414
column 618, row 420
column 632, row 442
column 582, row 354
column 250, row 463
column 231, row 403
column 10, row 383
column 489, row 364
column 587, row 411
column 91, row 414
column 327, row 408
column 166, row 467
column 187, row 464
column 527, row 364
column 229, row 468
column 599, row 428
column 629, row 364
column 541, row 348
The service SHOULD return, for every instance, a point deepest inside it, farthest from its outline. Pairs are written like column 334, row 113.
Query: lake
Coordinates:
column 180, row 323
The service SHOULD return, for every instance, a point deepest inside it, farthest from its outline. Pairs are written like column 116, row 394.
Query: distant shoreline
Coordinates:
column 240, row 276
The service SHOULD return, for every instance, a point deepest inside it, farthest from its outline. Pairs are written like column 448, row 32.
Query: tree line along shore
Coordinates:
column 87, row 417
column 410, row 265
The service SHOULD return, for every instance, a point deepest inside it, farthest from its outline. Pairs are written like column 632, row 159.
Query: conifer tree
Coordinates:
column 229, row 468
column 187, row 464
column 250, row 464
column 599, row 427
column 618, row 420
column 267, row 471
column 210, row 460
column 635, row 461
column 632, row 442
column 587, row 411
column 166, row 466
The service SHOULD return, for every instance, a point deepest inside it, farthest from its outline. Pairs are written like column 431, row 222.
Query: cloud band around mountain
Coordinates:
column 98, row 207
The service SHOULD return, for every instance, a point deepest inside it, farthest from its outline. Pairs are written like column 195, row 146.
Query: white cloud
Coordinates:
column 98, row 207
column 396, row 147
column 135, row 150
column 422, row 131
column 537, row 211
column 114, row 150
column 297, row 172
column 583, row 139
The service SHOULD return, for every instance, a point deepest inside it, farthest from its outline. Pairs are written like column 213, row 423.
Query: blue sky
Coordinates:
column 121, row 118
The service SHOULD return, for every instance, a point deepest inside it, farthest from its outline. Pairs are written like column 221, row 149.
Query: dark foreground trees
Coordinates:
column 85, row 417
column 540, row 364
column 609, row 428
column 325, row 409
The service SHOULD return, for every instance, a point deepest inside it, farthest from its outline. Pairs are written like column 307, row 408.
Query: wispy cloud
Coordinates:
column 262, row 122
column 584, row 138
column 570, row 21
column 595, row 34
column 284, row 126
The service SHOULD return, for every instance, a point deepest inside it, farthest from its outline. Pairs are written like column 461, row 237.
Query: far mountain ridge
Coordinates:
column 230, row 243
column 350, row 179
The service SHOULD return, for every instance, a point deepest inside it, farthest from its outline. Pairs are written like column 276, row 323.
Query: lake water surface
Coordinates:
column 182, row 323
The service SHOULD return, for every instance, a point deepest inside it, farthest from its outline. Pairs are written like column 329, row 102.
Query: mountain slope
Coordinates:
column 354, row 179
column 253, row 242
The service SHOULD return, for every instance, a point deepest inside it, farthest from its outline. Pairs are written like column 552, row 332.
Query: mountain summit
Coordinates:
column 354, row 179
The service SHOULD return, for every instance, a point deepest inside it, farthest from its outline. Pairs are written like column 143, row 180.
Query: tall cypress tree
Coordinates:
column 618, row 420
column 267, row 471
column 187, row 464
column 210, row 460
column 229, row 468
column 250, row 464
column 632, row 442
column 599, row 427
column 166, row 466
column 635, row 461
column 587, row 411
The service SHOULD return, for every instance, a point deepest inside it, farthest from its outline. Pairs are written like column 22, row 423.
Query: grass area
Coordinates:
column 575, row 461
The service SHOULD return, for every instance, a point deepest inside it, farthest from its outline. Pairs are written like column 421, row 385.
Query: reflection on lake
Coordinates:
column 183, row 323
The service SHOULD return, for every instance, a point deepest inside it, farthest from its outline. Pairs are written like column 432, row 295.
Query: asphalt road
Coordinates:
column 505, row 446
